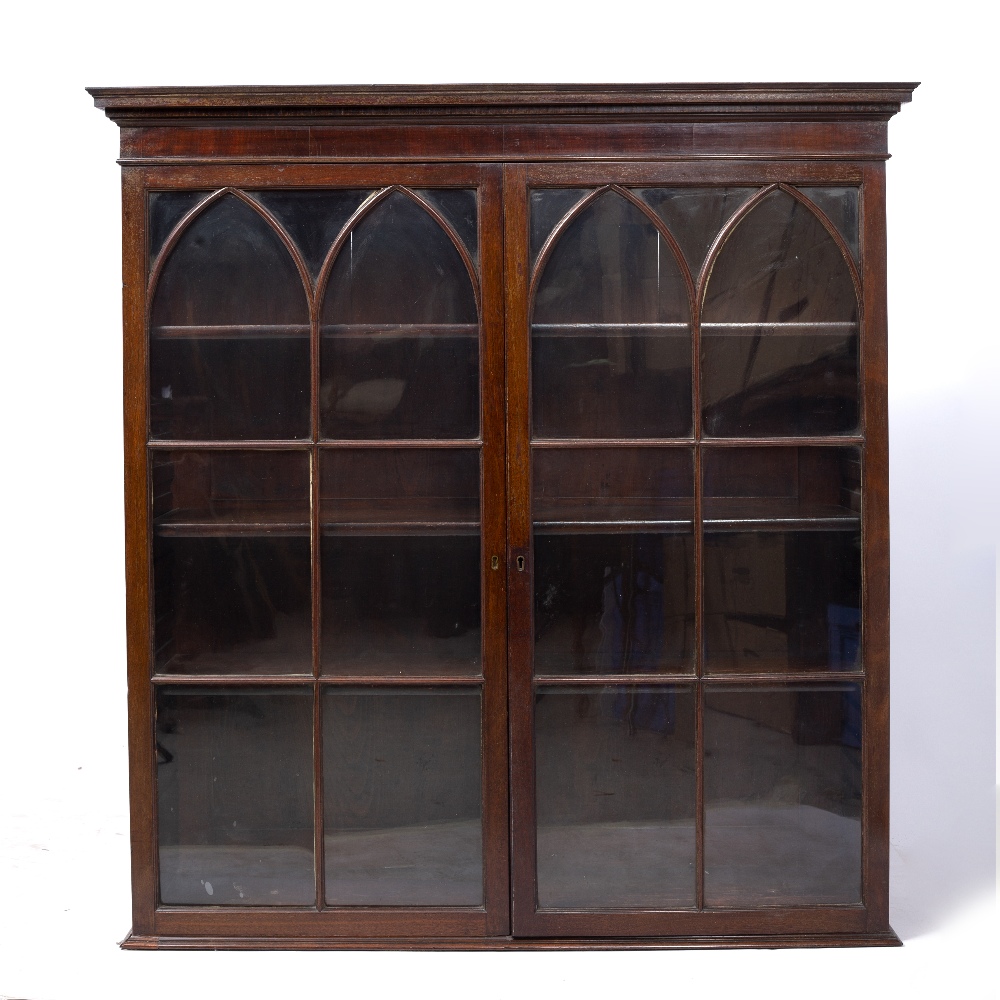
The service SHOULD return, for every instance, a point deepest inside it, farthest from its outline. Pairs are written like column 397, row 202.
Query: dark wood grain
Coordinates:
column 875, row 564
column 137, row 556
column 493, row 376
column 679, row 942
column 520, row 633
column 502, row 141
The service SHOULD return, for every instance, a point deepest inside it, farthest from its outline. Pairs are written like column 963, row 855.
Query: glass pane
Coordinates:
column 782, row 559
column 460, row 208
column 403, row 797
column 313, row 219
column 695, row 216
column 614, row 560
column 229, row 338
column 783, row 795
column 615, row 794
column 235, row 793
column 400, row 353
column 547, row 208
column 780, row 328
column 611, row 345
column 166, row 209
column 401, row 562
column 841, row 206
column 231, row 562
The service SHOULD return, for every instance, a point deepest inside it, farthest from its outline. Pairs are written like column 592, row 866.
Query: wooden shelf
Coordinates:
column 778, row 514
column 235, row 331
column 582, row 516
column 610, row 329
column 232, row 518
column 792, row 329
column 400, row 516
column 393, row 331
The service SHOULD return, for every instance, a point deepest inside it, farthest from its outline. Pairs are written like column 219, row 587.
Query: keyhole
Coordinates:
column 520, row 564
column 495, row 562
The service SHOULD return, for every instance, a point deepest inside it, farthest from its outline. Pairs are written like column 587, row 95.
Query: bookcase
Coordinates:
column 506, row 478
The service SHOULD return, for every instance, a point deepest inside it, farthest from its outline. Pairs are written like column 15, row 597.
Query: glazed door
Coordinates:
column 326, row 465
column 686, row 462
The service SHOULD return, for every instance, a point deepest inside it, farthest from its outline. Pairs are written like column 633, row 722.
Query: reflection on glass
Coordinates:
column 231, row 562
column 235, row 795
column 313, row 219
column 611, row 347
column 782, row 559
column 614, row 560
column 695, row 216
column 546, row 210
column 615, row 797
column 401, row 561
column 460, row 209
column 841, row 206
column 229, row 337
column 400, row 352
column 783, row 795
column 403, row 797
column 165, row 210
column 780, row 328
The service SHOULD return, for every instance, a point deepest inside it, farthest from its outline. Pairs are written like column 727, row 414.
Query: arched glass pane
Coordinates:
column 313, row 219
column 695, row 216
column 842, row 207
column 611, row 346
column 460, row 207
column 780, row 328
column 400, row 352
column 229, row 338
column 166, row 209
column 548, row 206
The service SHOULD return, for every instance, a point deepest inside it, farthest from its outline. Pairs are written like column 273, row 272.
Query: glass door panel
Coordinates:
column 673, row 579
column 400, row 329
column 779, row 328
column 611, row 341
column 401, row 563
column 235, row 796
column 403, row 797
column 613, row 560
column 229, row 331
column 615, row 787
column 782, row 559
column 316, row 457
column 783, row 795
column 231, row 563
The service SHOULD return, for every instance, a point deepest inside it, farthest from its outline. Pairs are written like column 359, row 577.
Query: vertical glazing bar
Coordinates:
column 699, row 603
column 315, row 541
column 875, row 553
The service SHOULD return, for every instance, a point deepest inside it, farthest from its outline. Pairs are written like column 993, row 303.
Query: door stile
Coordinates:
column 519, row 628
column 496, row 812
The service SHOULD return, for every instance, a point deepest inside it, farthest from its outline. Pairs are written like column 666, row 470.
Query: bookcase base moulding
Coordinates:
column 506, row 481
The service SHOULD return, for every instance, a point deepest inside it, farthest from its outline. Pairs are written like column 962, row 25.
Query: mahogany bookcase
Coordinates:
column 507, row 546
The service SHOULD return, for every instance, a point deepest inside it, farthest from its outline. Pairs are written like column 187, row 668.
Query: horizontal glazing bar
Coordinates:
column 233, row 680
column 612, row 442
column 255, row 444
column 397, row 680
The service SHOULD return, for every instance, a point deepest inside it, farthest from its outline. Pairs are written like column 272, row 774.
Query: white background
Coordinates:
column 64, row 897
